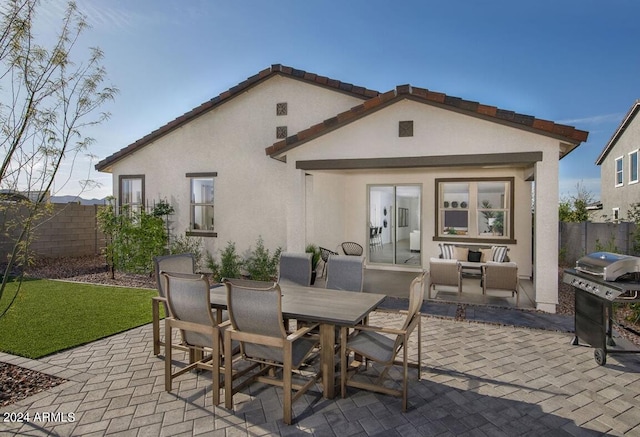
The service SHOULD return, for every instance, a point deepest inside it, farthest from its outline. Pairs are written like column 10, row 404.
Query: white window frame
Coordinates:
column 615, row 214
column 633, row 157
column 472, row 232
column 619, row 174
column 195, row 202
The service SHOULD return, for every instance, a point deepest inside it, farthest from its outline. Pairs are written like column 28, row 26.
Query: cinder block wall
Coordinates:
column 579, row 239
column 70, row 230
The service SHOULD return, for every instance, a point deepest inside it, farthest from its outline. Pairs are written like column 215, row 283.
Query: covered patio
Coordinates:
column 395, row 284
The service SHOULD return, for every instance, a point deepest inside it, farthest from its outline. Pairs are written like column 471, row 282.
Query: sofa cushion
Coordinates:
column 498, row 253
column 486, row 255
column 474, row 256
column 461, row 253
column 447, row 251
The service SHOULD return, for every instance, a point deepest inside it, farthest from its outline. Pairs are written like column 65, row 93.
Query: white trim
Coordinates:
column 615, row 172
column 633, row 181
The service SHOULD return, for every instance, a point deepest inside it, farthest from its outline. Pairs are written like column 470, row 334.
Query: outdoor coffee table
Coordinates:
column 471, row 268
column 329, row 308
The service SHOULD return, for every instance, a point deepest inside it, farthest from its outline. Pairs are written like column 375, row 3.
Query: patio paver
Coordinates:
column 477, row 379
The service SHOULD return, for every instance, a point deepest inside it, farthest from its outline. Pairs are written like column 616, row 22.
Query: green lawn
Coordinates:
column 50, row 316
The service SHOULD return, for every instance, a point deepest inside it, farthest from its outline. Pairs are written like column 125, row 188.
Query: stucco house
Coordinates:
column 618, row 163
column 299, row 158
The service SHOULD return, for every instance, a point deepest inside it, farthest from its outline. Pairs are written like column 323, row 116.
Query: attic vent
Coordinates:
column 405, row 128
column 281, row 108
column 281, row 132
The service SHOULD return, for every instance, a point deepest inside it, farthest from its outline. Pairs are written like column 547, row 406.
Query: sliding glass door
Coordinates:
column 394, row 224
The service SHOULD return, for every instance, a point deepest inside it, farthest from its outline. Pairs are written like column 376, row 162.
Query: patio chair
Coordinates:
column 295, row 268
column 444, row 272
column 324, row 254
column 188, row 299
column 255, row 311
column 345, row 272
column 382, row 345
column 501, row 276
column 177, row 263
column 352, row 249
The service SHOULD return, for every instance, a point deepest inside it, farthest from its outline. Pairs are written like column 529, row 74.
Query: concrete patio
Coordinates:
column 477, row 379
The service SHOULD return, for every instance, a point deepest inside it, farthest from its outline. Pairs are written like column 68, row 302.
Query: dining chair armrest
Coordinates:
column 301, row 332
column 224, row 324
column 379, row 329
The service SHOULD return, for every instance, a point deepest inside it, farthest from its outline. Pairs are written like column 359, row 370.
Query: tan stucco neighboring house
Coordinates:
column 298, row 158
column 618, row 161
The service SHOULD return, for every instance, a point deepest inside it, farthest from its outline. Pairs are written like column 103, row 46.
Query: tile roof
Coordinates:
column 635, row 108
column 528, row 122
column 275, row 69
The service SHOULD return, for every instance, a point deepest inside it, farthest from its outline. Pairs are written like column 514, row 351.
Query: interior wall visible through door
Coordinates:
column 394, row 224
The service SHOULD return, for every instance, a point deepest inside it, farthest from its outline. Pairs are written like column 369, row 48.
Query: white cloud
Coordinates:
column 594, row 120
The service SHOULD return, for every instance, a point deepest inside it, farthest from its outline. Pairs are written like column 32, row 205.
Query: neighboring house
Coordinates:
column 298, row 158
column 618, row 163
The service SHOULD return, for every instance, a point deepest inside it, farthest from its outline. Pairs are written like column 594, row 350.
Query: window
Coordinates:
column 202, row 203
column 619, row 172
column 616, row 215
column 474, row 209
column 132, row 192
column 633, row 167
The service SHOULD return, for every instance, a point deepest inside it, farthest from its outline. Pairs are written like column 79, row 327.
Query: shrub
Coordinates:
column 133, row 238
column 315, row 259
column 261, row 265
column 187, row 244
column 230, row 265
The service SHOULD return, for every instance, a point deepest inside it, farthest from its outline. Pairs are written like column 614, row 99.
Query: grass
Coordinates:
column 51, row 316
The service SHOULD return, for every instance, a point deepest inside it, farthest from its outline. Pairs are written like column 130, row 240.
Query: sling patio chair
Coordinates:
column 382, row 346
column 444, row 272
column 295, row 268
column 177, row 263
column 189, row 301
column 255, row 312
column 501, row 276
column 345, row 272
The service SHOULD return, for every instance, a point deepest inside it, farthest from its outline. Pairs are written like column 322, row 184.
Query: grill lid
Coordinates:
column 609, row 266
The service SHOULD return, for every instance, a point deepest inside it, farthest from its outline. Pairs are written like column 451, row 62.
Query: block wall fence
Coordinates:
column 579, row 239
column 70, row 230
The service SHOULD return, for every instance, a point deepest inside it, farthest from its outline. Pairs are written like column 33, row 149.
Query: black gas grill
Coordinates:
column 599, row 279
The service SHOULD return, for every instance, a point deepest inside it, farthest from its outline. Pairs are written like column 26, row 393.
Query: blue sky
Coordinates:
column 574, row 62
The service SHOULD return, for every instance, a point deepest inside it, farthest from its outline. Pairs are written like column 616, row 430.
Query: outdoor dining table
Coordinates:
column 328, row 308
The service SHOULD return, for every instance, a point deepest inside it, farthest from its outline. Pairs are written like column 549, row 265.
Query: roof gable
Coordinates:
column 275, row 69
column 626, row 121
column 544, row 127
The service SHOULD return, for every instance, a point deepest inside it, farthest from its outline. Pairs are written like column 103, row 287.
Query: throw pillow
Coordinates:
column 474, row 256
column 498, row 253
column 446, row 251
column 460, row 253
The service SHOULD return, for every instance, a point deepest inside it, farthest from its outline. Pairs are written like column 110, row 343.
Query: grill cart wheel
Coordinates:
column 601, row 356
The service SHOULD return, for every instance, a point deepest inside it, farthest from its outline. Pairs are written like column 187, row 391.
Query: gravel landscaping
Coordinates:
column 18, row 383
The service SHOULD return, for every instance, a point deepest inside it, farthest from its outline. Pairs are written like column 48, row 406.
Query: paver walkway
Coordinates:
column 477, row 380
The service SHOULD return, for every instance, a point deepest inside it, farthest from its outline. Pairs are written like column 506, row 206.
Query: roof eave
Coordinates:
column 619, row 131
column 275, row 69
column 568, row 135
